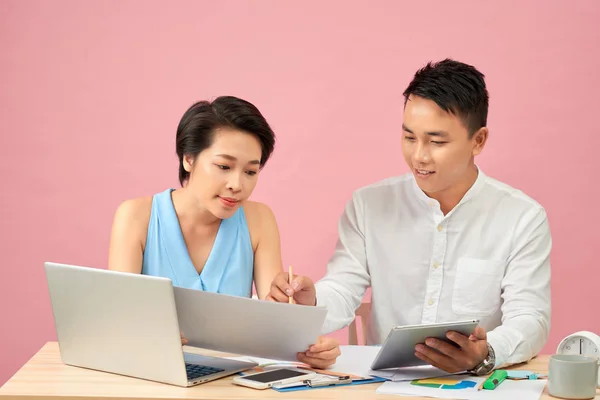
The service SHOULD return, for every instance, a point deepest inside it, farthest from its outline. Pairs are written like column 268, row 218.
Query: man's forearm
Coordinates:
column 519, row 339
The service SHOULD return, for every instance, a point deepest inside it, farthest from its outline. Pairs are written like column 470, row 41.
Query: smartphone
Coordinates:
column 264, row 380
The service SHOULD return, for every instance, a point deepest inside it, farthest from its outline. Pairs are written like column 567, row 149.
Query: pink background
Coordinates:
column 91, row 94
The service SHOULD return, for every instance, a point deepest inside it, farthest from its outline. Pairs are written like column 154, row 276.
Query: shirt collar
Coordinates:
column 472, row 192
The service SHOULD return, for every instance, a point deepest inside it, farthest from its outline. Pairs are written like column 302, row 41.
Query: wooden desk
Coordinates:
column 46, row 377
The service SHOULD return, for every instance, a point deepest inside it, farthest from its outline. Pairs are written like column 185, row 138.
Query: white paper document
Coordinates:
column 245, row 326
column 464, row 387
column 357, row 360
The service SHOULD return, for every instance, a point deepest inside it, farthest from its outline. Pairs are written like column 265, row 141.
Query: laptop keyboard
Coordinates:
column 195, row 371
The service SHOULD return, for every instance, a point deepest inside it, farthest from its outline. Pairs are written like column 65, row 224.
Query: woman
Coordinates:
column 207, row 235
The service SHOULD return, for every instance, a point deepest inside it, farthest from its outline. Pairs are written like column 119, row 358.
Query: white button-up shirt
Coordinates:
column 487, row 259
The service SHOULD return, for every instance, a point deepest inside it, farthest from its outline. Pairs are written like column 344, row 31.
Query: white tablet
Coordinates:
column 398, row 350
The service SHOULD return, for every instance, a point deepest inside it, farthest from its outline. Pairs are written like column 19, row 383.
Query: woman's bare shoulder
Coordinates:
column 257, row 212
column 135, row 209
column 133, row 215
column 260, row 219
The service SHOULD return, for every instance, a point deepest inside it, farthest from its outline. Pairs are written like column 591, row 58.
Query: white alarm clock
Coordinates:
column 582, row 342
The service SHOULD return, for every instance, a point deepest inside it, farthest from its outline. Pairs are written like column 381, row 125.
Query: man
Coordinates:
column 443, row 242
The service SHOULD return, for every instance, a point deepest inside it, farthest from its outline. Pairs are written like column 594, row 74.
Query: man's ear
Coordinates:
column 479, row 139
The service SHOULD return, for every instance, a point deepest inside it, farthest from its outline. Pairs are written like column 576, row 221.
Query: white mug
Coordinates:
column 572, row 376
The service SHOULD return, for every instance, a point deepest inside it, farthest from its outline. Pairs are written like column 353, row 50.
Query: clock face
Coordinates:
column 580, row 345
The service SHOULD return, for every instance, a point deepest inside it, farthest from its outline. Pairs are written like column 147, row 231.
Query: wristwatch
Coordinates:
column 484, row 367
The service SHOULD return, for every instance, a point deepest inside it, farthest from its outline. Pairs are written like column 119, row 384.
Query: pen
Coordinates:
column 290, row 277
column 495, row 379
column 342, row 380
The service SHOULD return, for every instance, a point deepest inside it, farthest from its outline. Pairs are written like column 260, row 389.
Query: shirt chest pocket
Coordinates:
column 477, row 287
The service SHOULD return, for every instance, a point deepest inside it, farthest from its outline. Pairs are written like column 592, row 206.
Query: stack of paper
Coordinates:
column 465, row 387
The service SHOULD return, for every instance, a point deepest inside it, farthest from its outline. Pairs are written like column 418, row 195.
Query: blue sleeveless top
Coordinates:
column 230, row 264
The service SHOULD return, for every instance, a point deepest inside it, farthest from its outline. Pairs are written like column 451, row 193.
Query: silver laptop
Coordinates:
column 126, row 324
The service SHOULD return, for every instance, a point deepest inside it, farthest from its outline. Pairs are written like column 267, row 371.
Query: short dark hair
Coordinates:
column 455, row 87
column 197, row 127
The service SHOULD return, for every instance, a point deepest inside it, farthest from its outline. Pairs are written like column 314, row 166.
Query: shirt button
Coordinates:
column 439, row 228
column 435, row 265
column 431, row 203
column 430, row 302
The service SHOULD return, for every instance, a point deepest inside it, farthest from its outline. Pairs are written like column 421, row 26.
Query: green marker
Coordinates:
column 495, row 379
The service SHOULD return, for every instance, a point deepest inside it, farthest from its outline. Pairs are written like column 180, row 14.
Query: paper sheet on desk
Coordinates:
column 357, row 360
column 521, row 390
